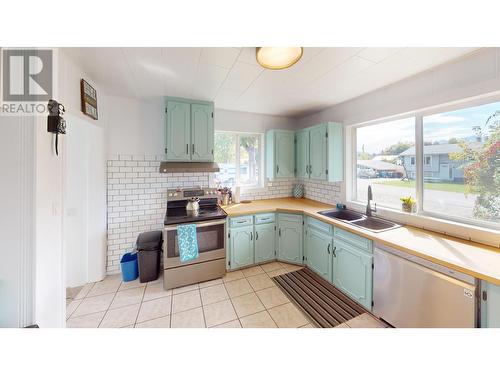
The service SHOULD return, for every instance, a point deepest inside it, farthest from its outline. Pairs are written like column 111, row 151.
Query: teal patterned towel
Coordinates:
column 188, row 242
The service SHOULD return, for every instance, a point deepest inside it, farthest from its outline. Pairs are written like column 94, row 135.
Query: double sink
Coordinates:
column 355, row 218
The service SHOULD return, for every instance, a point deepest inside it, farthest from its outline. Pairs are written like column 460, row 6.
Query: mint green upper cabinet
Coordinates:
column 202, row 132
column 353, row 273
column 335, row 152
column 178, row 131
column 280, row 154
column 302, row 153
column 189, row 130
column 265, row 236
column 490, row 308
column 290, row 238
column 242, row 246
column 318, row 249
column 318, row 152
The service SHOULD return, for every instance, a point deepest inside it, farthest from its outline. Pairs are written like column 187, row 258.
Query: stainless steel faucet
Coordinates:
column 369, row 209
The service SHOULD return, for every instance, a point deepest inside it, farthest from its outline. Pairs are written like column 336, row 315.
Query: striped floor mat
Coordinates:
column 324, row 303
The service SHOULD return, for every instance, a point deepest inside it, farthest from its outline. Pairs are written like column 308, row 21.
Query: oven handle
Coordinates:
column 206, row 224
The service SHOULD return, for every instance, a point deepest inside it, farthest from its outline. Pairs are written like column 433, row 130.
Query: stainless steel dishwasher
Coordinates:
column 409, row 291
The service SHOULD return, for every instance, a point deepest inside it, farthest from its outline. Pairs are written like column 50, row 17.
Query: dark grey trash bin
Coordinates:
column 149, row 246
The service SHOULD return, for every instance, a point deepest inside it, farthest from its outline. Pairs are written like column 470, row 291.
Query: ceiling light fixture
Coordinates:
column 277, row 58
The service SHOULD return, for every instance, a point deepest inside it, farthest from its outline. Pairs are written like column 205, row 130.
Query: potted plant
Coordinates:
column 408, row 204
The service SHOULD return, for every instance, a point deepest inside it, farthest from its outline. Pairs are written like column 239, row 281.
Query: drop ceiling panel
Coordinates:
column 224, row 57
column 241, row 76
column 234, row 80
column 208, row 80
column 377, row 54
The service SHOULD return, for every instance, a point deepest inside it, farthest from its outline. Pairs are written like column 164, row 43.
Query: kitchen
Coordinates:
column 263, row 190
column 259, row 227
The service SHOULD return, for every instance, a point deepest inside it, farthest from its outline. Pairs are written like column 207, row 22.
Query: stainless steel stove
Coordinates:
column 210, row 222
column 176, row 206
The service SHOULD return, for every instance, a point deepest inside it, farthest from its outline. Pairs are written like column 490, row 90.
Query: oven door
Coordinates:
column 211, row 243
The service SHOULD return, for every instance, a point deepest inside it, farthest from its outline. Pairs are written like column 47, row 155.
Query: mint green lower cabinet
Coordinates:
column 265, row 242
column 290, row 238
column 242, row 246
column 353, row 273
column 318, row 252
column 490, row 308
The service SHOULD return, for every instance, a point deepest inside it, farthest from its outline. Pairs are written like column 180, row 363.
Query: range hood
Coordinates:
column 176, row 167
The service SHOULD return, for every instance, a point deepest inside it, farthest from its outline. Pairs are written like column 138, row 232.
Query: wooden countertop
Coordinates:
column 469, row 257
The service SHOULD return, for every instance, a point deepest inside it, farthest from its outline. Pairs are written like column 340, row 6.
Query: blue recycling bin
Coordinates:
column 130, row 269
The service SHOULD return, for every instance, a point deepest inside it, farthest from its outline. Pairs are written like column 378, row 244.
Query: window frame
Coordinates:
column 262, row 175
column 421, row 214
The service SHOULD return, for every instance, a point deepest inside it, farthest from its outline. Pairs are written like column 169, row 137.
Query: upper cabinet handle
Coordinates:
column 193, row 149
column 328, row 248
column 187, row 149
column 277, row 169
column 334, row 253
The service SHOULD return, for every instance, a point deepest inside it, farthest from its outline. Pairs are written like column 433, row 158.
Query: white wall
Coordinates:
column 84, row 177
column 469, row 76
column 250, row 122
column 137, row 126
column 84, row 202
column 50, row 293
column 17, row 223
column 50, row 203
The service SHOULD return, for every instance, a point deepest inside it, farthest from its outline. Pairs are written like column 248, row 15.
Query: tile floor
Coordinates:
column 246, row 298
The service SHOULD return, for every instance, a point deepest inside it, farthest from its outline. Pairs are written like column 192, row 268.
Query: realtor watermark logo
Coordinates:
column 27, row 81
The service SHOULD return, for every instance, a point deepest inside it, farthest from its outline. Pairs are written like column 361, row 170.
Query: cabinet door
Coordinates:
column 242, row 251
column 490, row 309
column 318, row 154
column 318, row 250
column 265, row 236
column 302, row 153
column 178, row 131
column 352, row 273
column 285, row 154
column 202, row 132
column 290, row 241
column 335, row 152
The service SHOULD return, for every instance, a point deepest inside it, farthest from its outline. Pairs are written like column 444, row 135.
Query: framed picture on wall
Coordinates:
column 89, row 99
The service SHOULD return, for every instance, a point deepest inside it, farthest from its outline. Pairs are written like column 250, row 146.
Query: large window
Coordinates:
column 464, row 178
column 239, row 156
column 379, row 163
column 455, row 171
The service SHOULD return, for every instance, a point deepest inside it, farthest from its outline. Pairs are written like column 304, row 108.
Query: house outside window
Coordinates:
column 459, row 155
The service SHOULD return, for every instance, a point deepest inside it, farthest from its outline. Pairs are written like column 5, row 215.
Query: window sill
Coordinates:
column 452, row 228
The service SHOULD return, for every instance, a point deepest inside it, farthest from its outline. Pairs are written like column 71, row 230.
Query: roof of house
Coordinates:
column 385, row 157
column 379, row 165
column 434, row 149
